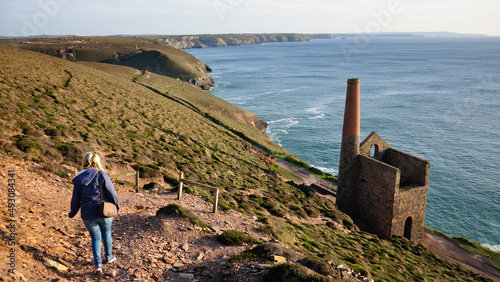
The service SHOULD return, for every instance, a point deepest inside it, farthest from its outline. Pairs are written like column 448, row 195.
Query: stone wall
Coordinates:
column 373, row 140
column 348, row 171
column 378, row 183
column 414, row 171
column 386, row 189
column 410, row 201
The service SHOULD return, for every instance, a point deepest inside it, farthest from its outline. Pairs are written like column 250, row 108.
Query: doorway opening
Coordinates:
column 408, row 225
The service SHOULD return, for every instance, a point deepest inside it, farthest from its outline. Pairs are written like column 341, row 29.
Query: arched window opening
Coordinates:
column 374, row 151
column 408, row 225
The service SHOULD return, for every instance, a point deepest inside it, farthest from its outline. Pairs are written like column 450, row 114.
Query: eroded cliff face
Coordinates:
column 204, row 81
column 201, row 41
column 140, row 53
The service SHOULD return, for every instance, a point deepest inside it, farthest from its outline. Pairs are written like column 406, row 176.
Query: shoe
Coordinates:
column 111, row 260
column 98, row 269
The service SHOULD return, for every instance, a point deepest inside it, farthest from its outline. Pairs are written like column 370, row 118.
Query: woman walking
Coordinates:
column 86, row 195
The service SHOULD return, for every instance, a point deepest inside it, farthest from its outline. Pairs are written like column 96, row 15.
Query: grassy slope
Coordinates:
column 215, row 108
column 227, row 115
column 152, row 55
column 53, row 110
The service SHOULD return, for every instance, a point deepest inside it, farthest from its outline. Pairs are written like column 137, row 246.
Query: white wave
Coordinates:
column 320, row 116
column 244, row 98
column 223, row 83
column 327, row 170
column 495, row 248
column 289, row 121
column 293, row 89
column 238, row 103
column 314, row 110
column 274, row 136
column 265, row 93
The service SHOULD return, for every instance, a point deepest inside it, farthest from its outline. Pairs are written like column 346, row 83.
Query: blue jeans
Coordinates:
column 100, row 228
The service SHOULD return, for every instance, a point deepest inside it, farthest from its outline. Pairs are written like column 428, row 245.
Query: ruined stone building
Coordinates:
column 382, row 189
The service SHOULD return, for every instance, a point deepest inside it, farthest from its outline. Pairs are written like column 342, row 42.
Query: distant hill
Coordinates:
column 140, row 53
column 218, row 40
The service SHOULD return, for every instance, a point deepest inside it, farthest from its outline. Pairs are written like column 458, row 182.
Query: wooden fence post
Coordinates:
column 179, row 192
column 137, row 181
column 216, row 200
column 203, row 186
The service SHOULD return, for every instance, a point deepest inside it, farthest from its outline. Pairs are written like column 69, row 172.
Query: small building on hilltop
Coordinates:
column 382, row 189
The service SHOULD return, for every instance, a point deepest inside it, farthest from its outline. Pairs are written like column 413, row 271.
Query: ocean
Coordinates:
column 435, row 98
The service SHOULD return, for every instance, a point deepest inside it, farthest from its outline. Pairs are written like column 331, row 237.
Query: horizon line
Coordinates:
column 412, row 33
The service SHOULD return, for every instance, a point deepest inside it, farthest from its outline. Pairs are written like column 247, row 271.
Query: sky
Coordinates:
column 167, row 17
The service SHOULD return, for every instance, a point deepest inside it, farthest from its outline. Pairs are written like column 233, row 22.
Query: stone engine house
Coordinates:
column 383, row 190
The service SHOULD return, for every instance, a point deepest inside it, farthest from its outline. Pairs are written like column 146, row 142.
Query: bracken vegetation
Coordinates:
column 54, row 110
column 235, row 237
column 176, row 210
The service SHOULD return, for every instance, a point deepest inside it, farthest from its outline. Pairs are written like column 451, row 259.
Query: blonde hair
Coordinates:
column 91, row 159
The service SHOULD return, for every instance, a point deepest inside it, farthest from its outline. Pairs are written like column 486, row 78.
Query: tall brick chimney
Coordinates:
column 349, row 148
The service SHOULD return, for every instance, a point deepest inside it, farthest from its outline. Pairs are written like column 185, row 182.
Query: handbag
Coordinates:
column 106, row 209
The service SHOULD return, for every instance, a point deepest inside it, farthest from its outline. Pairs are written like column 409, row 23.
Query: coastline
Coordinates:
column 452, row 252
column 219, row 40
column 318, row 146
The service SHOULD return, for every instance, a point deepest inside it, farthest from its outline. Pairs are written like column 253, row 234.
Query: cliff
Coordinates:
column 139, row 53
column 201, row 41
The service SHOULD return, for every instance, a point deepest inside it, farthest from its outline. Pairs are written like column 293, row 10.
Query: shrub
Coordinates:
column 247, row 254
column 62, row 173
column 71, row 151
column 360, row 269
column 176, row 210
column 169, row 178
column 151, row 186
column 147, row 171
column 263, row 219
column 52, row 132
column 293, row 272
column 319, row 266
column 311, row 212
column 273, row 207
column 331, row 225
column 26, row 145
column 268, row 249
column 348, row 224
column 234, row 237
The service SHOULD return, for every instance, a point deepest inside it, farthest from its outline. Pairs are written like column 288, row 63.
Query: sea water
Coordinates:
column 434, row 98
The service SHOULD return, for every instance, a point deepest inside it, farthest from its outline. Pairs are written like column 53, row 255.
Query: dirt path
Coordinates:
column 307, row 177
column 148, row 247
column 450, row 251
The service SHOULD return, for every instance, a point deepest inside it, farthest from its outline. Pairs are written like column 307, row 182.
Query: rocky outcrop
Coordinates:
column 205, row 82
column 201, row 41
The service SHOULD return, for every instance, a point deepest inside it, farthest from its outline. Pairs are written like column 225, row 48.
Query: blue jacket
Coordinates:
column 87, row 196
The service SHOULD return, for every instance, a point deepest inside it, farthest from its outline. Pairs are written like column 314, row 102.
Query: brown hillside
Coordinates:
column 140, row 53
